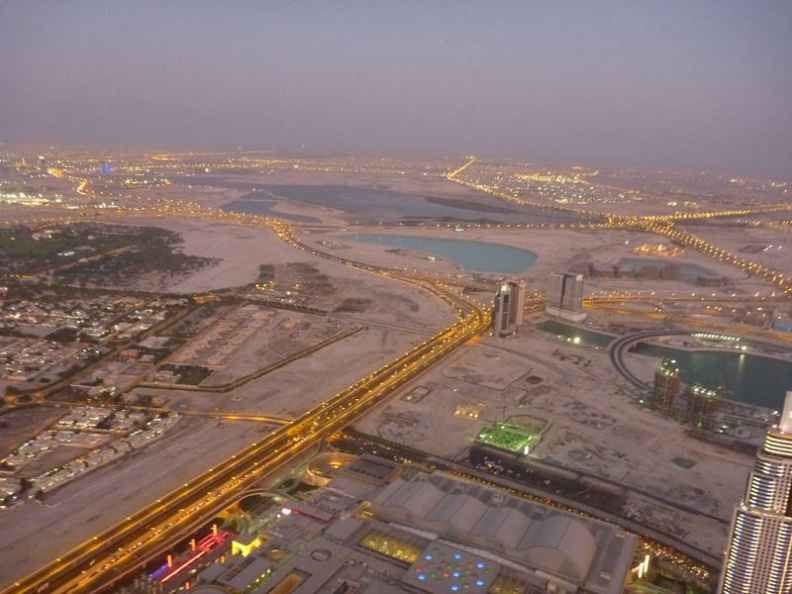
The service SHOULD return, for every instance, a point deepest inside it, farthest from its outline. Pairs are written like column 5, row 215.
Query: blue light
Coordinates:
column 421, row 576
column 479, row 565
column 479, row 582
column 458, row 556
column 427, row 556
column 454, row 588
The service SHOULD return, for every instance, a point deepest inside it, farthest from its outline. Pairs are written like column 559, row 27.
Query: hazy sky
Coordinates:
column 655, row 83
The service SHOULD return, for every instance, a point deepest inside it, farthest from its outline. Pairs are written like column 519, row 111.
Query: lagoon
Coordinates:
column 752, row 379
column 575, row 334
column 473, row 255
column 748, row 378
column 381, row 204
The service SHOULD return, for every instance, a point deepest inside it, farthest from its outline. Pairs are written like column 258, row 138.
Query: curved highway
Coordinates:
column 618, row 347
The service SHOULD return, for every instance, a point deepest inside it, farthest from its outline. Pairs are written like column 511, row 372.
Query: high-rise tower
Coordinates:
column 759, row 557
column 666, row 386
column 509, row 307
column 702, row 407
column 565, row 296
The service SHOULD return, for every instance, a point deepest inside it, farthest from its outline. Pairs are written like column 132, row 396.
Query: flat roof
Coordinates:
column 372, row 469
column 444, row 569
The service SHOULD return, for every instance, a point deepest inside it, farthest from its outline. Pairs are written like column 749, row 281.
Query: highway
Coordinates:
column 617, row 347
column 663, row 225
column 122, row 549
column 459, row 170
column 705, row 322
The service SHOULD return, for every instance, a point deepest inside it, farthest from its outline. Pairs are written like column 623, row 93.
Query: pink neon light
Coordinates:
column 183, row 566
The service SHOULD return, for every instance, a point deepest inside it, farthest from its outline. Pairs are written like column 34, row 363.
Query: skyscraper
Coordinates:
column 565, row 296
column 509, row 311
column 758, row 559
column 702, row 407
column 666, row 387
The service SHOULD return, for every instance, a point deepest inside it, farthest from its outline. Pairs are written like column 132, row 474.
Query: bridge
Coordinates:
column 618, row 347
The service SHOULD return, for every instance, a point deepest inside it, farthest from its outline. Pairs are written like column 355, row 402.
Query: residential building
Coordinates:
column 509, row 309
column 565, row 296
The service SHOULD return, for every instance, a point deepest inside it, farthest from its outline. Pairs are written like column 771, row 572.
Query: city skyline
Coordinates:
column 189, row 323
column 667, row 85
column 395, row 296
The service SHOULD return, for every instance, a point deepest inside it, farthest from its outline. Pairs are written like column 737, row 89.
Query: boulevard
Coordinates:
column 113, row 554
column 540, row 248
column 122, row 550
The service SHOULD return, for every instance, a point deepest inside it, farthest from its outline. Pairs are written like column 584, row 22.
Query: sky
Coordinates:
column 703, row 84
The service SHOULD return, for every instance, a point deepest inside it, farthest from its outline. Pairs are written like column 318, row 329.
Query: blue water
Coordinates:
column 377, row 204
column 752, row 379
column 473, row 255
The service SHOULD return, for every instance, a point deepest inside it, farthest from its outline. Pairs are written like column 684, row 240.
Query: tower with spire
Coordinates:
column 758, row 559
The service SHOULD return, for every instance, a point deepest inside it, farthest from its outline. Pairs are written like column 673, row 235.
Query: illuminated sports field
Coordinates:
column 512, row 438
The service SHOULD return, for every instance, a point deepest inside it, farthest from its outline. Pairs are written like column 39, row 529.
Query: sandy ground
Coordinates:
column 399, row 317
column 583, row 406
column 778, row 252
column 555, row 250
column 591, row 424
column 241, row 249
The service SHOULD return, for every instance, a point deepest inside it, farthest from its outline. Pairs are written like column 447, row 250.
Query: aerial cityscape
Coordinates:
column 309, row 346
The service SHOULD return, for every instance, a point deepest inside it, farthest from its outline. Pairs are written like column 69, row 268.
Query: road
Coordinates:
column 617, row 347
column 107, row 557
column 116, row 552
column 456, row 172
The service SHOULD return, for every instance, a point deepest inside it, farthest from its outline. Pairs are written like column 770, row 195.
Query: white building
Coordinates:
column 758, row 559
column 566, row 552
